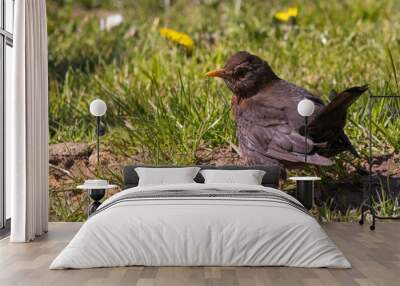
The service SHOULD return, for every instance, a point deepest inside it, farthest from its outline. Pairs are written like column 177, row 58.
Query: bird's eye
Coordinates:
column 240, row 72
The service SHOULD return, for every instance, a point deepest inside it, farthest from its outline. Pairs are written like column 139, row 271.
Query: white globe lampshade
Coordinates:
column 98, row 107
column 305, row 107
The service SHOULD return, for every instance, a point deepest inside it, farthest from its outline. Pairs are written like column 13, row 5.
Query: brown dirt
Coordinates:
column 72, row 163
column 387, row 165
column 218, row 156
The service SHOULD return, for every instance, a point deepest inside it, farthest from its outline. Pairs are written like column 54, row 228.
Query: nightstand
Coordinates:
column 305, row 190
column 96, row 190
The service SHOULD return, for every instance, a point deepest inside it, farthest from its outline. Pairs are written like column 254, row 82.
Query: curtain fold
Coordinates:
column 27, row 124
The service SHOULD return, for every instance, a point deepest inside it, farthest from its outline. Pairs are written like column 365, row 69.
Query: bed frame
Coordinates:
column 270, row 179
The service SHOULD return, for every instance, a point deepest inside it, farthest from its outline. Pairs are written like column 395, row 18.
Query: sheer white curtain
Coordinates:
column 27, row 124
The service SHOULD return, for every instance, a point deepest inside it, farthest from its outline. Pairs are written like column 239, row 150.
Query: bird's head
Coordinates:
column 245, row 74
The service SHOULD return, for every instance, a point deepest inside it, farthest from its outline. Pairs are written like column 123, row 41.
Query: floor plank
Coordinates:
column 375, row 257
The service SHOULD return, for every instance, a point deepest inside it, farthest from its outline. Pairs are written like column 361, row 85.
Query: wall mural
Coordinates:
column 153, row 64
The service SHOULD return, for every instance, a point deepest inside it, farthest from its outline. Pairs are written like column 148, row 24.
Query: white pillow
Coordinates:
column 165, row 176
column 248, row 177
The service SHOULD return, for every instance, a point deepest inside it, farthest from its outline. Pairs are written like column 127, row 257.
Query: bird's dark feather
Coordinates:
column 328, row 124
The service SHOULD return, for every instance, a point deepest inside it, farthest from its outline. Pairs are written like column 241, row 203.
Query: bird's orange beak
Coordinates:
column 217, row 73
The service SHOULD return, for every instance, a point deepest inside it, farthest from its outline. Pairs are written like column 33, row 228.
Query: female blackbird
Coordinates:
column 268, row 126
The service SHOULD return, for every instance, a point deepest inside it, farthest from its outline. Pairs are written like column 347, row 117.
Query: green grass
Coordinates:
column 387, row 205
column 160, row 102
column 157, row 94
column 328, row 213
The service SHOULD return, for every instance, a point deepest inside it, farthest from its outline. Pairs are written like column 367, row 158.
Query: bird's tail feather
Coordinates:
column 343, row 100
column 327, row 125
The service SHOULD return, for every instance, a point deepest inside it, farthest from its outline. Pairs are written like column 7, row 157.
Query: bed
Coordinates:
column 198, row 224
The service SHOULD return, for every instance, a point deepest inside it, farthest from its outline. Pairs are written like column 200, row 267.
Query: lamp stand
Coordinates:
column 368, row 204
column 305, row 138
column 98, row 139
column 99, row 132
column 97, row 194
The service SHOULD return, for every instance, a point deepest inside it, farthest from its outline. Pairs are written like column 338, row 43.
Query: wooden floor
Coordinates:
column 375, row 257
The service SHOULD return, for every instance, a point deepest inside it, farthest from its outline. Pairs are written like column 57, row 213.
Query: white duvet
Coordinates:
column 200, row 231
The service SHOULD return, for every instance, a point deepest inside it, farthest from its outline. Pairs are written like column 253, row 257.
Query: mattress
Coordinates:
column 201, row 225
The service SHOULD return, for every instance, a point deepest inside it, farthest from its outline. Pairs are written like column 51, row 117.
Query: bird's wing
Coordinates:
column 265, row 130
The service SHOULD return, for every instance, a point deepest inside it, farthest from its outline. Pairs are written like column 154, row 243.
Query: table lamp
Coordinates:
column 305, row 108
column 98, row 108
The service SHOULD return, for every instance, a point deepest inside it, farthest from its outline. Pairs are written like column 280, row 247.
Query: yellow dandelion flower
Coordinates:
column 177, row 37
column 286, row 15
